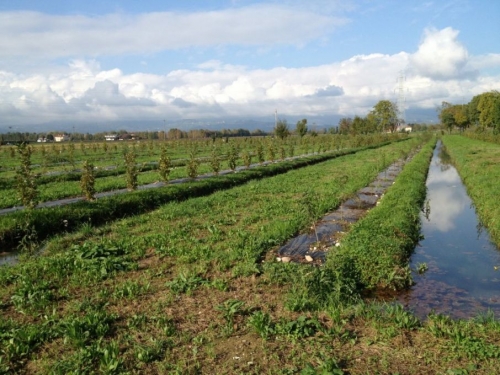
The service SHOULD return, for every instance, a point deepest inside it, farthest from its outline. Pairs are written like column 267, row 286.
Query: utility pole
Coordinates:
column 401, row 98
column 275, row 118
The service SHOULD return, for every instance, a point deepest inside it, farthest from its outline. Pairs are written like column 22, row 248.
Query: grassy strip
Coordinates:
column 49, row 221
column 377, row 248
column 478, row 164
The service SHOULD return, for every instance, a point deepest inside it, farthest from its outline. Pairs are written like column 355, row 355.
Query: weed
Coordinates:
column 422, row 268
column 185, row 283
column 262, row 324
column 151, row 352
column 230, row 309
column 299, row 328
column 325, row 367
column 110, row 361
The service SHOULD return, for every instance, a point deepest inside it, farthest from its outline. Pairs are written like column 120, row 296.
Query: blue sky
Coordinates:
column 106, row 61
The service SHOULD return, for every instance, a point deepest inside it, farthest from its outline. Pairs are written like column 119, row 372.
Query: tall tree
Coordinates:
column 301, row 127
column 385, row 115
column 281, row 130
column 446, row 116
column 488, row 108
column 345, row 125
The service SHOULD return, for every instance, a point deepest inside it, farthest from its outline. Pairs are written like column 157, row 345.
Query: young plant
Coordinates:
column 26, row 180
column 232, row 157
column 87, row 181
column 164, row 165
column 247, row 158
column 215, row 160
column 131, row 169
column 260, row 153
column 193, row 163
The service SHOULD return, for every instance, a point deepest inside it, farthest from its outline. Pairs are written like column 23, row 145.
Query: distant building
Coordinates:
column 42, row 140
column 61, row 138
column 111, row 137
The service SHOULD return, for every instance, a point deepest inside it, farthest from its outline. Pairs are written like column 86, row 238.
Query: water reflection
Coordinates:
column 461, row 279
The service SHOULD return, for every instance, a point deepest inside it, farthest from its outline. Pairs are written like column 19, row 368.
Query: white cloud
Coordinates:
column 441, row 56
column 26, row 33
column 83, row 90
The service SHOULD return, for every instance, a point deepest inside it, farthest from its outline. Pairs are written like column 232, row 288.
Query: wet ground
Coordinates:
column 314, row 245
column 463, row 275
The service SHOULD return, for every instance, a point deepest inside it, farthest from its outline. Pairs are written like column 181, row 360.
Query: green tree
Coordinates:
column 301, row 127
column 358, row 126
column 488, row 108
column 281, row 130
column 385, row 115
column 345, row 124
column 446, row 115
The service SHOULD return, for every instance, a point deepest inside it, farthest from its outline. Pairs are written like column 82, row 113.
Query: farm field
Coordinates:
column 194, row 287
column 44, row 222
column 59, row 166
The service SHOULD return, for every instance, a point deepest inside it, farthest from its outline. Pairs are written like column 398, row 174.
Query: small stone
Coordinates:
column 278, row 259
column 309, row 258
column 286, row 259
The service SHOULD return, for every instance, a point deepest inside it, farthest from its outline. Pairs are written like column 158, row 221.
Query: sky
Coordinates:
column 106, row 62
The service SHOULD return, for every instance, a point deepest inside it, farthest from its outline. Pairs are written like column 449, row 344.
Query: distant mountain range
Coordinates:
column 266, row 124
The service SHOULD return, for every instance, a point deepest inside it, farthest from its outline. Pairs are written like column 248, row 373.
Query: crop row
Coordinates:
column 67, row 157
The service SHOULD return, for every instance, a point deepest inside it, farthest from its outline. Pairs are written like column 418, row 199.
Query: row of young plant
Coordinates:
column 477, row 162
column 133, row 176
column 40, row 223
column 93, row 301
column 64, row 156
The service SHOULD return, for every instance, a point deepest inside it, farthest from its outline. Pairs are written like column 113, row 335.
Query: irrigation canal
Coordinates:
column 463, row 275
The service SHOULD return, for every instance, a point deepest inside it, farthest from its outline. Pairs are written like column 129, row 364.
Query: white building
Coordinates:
column 61, row 138
column 111, row 137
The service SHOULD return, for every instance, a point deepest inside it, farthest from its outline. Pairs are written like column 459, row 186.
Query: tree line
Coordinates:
column 483, row 111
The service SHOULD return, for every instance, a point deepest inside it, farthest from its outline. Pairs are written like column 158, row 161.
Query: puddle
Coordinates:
column 313, row 246
column 463, row 276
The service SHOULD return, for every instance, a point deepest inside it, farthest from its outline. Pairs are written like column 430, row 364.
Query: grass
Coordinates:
column 193, row 287
column 478, row 165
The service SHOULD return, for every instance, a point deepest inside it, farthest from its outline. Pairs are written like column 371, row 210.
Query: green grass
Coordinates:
column 478, row 164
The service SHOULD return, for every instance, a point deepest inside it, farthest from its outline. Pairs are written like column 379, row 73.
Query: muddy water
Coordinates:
column 463, row 276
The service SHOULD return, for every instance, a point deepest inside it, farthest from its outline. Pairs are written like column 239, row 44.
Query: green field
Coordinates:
column 191, row 284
